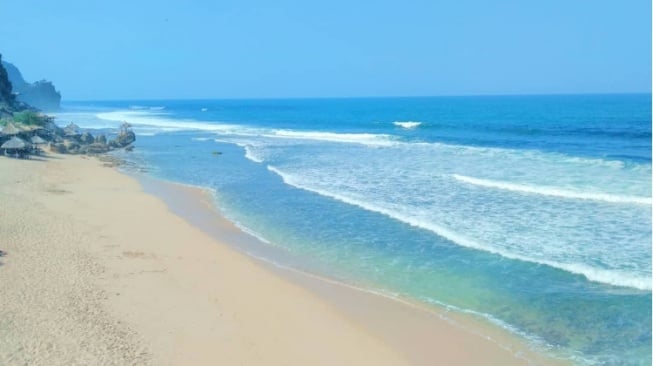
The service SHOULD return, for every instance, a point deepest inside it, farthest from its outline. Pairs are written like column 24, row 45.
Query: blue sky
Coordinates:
column 145, row 49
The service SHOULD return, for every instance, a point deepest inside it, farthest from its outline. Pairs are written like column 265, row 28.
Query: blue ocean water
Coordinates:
column 533, row 212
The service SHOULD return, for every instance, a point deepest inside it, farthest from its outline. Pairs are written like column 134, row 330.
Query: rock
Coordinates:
column 58, row 147
column 101, row 139
column 124, row 138
column 86, row 138
column 71, row 146
column 7, row 98
column 72, row 130
column 96, row 148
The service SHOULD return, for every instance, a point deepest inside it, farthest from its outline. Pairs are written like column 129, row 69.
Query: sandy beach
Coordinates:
column 97, row 272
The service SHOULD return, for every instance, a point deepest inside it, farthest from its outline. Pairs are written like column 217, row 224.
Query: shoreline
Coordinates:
column 197, row 205
column 98, row 270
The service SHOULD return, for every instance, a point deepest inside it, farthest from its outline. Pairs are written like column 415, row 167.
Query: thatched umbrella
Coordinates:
column 19, row 147
column 38, row 140
column 14, row 143
column 10, row 129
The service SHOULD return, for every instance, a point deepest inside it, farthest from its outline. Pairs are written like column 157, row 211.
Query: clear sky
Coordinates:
column 151, row 49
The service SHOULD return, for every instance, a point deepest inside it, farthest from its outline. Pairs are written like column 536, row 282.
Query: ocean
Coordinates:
column 530, row 212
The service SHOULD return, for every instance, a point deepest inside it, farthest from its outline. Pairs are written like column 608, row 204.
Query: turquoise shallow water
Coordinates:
column 531, row 212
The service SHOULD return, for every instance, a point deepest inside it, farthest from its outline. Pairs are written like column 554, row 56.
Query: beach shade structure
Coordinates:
column 16, row 146
column 37, row 140
column 14, row 143
column 10, row 129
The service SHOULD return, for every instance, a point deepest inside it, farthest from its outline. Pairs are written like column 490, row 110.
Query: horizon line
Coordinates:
column 359, row 97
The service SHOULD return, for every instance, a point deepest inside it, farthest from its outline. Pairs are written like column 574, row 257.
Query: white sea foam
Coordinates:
column 159, row 120
column 251, row 154
column 607, row 276
column 535, row 156
column 429, row 172
column 204, row 109
column 553, row 191
column 407, row 124
column 157, row 108
column 145, row 133
column 84, row 120
column 358, row 138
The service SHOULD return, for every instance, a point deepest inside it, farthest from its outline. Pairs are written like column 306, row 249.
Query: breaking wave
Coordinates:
column 407, row 125
column 359, row 138
column 613, row 277
column 553, row 191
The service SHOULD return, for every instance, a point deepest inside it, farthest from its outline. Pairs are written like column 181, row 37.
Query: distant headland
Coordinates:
column 23, row 128
column 41, row 94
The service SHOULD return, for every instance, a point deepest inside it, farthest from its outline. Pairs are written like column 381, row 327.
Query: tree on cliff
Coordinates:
column 7, row 98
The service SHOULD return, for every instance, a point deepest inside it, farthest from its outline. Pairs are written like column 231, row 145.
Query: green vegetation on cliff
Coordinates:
column 29, row 118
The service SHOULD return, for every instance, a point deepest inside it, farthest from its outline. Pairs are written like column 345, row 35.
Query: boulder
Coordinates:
column 72, row 146
column 86, row 138
column 96, row 148
column 125, row 138
column 101, row 139
column 72, row 130
column 58, row 147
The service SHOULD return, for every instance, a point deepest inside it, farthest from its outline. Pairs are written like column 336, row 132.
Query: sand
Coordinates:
column 97, row 272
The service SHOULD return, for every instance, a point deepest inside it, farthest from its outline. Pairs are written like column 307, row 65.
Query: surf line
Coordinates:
column 552, row 191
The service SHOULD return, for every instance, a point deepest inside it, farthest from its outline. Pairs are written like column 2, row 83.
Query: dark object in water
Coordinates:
column 216, row 153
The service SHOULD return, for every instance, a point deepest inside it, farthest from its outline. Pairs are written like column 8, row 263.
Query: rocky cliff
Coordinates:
column 41, row 94
column 7, row 99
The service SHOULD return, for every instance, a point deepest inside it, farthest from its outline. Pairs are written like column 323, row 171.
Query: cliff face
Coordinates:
column 14, row 75
column 7, row 99
column 41, row 94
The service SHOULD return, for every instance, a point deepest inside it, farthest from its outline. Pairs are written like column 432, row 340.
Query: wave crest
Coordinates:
column 553, row 191
column 612, row 277
column 359, row 138
column 407, row 124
